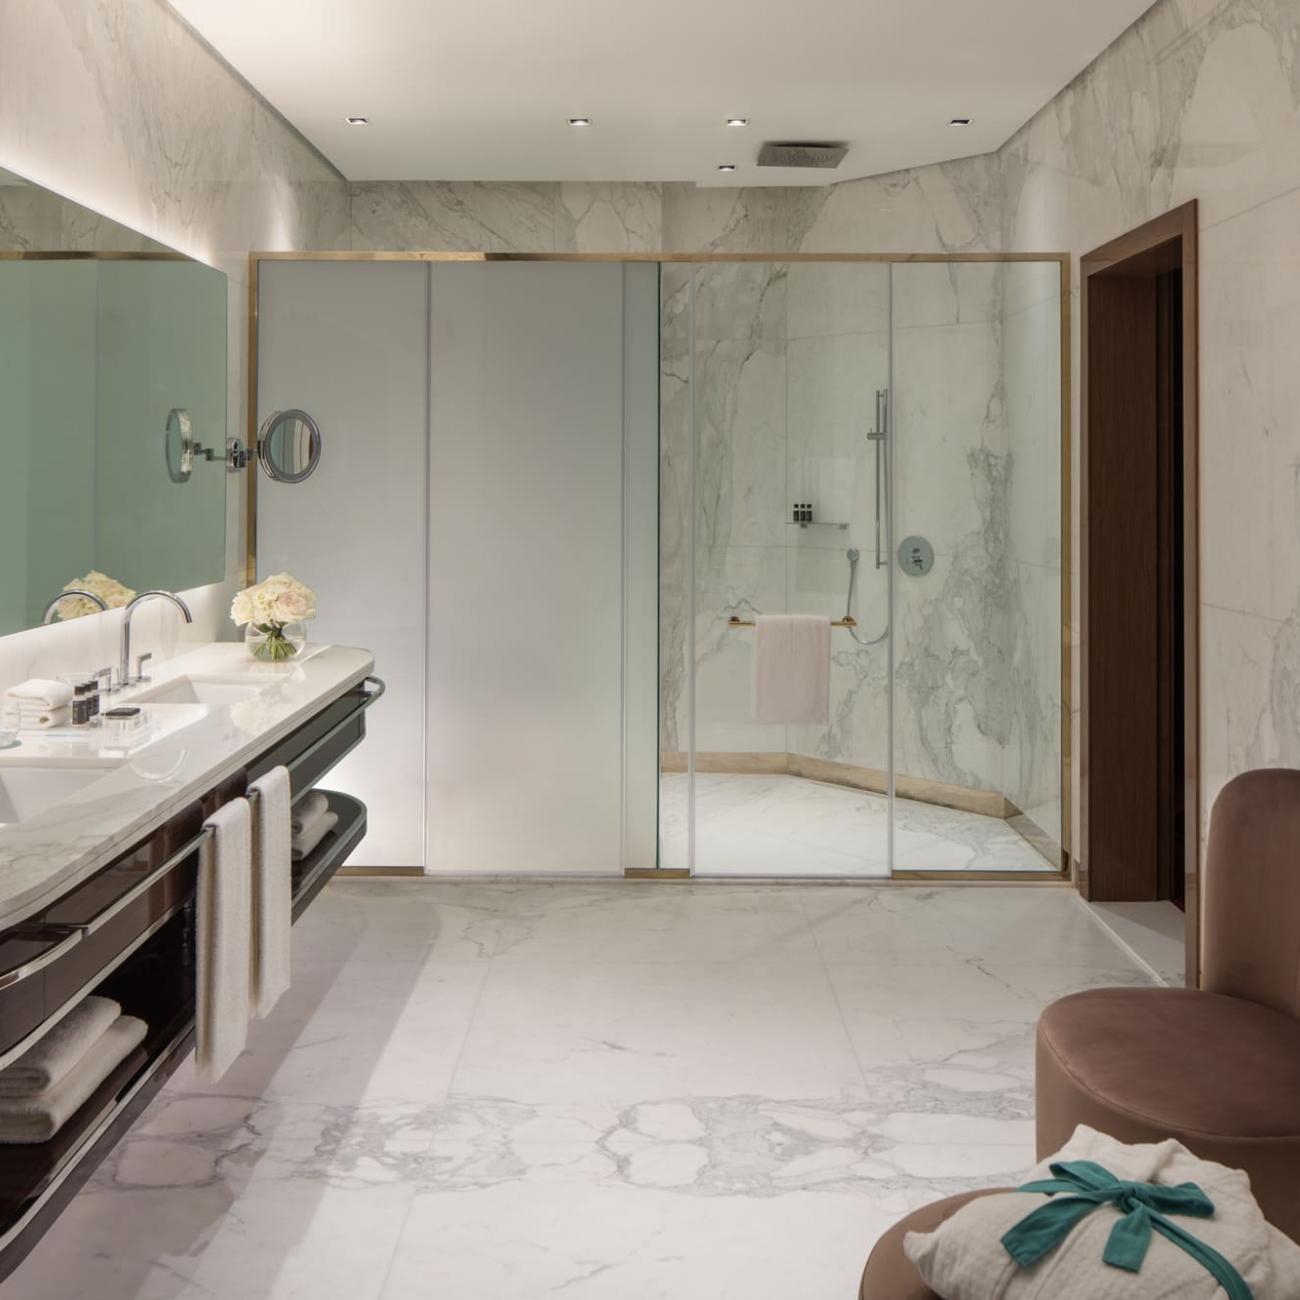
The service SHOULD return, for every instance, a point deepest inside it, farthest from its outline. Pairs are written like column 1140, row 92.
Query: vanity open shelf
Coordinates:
column 127, row 932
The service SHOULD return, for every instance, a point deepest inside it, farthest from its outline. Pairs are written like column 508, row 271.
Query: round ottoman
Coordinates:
column 889, row 1274
column 1221, row 1074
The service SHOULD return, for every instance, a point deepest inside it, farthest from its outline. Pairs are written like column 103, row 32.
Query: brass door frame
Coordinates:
column 1062, row 260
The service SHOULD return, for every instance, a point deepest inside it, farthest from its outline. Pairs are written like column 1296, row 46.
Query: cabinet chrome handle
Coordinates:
column 67, row 936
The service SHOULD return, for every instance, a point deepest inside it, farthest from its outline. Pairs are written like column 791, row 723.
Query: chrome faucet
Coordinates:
column 124, row 677
column 71, row 591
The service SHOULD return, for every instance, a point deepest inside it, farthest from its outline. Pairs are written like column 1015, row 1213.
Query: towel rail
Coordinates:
column 370, row 698
column 144, row 885
column 847, row 621
column 66, row 938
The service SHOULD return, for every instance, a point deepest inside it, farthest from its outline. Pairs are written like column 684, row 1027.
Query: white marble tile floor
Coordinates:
column 606, row 1091
column 788, row 826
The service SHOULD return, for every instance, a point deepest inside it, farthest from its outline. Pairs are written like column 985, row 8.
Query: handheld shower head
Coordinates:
column 854, row 555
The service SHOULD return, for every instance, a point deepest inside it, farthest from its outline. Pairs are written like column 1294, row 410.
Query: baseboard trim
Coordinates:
column 986, row 803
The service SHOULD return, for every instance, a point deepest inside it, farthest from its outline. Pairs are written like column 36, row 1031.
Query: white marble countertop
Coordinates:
column 185, row 750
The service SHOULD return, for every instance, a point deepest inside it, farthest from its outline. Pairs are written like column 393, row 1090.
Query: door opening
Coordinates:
column 1139, row 834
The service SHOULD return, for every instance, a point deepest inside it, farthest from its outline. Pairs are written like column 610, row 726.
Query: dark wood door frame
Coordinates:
column 1166, row 244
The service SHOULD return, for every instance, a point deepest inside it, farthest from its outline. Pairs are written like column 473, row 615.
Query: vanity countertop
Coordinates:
column 148, row 777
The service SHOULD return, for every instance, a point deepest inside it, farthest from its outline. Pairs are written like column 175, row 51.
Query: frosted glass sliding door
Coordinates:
column 348, row 342
column 542, row 424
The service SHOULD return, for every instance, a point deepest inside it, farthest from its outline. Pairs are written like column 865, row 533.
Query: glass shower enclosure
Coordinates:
column 881, row 442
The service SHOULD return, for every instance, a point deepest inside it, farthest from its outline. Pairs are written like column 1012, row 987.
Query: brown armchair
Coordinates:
column 1218, row 1068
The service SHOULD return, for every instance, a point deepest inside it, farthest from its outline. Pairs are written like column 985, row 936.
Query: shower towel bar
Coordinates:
column 847, row 621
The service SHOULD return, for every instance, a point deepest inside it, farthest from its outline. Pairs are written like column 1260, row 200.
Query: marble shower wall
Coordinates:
column 119, row 106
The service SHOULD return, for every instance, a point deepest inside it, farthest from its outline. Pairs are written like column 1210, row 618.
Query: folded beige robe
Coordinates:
column 964, row 1259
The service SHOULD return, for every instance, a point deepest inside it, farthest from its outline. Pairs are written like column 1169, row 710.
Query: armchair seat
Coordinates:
column 1221, row 1074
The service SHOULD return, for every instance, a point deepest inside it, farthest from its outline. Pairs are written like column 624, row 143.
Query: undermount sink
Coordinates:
column 216, row 691
column 26, row 791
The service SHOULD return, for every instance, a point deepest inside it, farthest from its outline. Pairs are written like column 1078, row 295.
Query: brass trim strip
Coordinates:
column 1063, row 260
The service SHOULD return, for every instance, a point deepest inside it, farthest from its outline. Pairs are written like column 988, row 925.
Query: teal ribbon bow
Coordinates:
column 1143, row 1206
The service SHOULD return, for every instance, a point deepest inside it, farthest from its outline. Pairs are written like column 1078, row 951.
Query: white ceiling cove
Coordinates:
column 483, row 89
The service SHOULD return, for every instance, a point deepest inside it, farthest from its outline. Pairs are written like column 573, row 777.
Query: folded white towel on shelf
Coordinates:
column 272, row 892
column 59, row 1049
column 305, row 841
column 308, row 811
column 38, row 1118
column 223, row 933
column 44, row 691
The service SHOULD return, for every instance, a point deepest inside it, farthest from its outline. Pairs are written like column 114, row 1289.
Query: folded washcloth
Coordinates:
column 308, row 811
column 43, row 691
column 37, row 719
column 38, row 1118
column 305, row 841
column 59, row 1049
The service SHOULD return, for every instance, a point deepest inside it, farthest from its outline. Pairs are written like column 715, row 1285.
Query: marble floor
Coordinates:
column 596, row 1091
column 789, row 826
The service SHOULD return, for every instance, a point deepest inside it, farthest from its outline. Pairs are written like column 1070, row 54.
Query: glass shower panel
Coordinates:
column 977, row 601
column 785, row 361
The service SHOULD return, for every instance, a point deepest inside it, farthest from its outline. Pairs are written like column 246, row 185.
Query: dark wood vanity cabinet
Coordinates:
column 127, row 932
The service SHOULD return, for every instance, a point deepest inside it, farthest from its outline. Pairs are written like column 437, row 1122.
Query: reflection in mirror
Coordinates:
column 103, row 334
column 289, row 446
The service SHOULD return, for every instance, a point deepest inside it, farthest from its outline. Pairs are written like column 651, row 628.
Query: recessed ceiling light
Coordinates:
column 358, row 121
column 579, row 121
column 960, row 121
column 726, row 167
column 737, row 121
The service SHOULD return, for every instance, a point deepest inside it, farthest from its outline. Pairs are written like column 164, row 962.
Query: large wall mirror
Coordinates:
column 104, row 333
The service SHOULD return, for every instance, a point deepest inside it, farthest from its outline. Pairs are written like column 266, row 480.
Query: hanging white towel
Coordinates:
column 792, row 668
column 224, row 926
column 272, row 892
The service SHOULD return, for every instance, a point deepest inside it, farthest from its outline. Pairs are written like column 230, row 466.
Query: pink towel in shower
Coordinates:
column 792, row 668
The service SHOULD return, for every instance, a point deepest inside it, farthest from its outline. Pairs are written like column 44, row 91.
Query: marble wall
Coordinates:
column 120, row 107
column 1201, row 100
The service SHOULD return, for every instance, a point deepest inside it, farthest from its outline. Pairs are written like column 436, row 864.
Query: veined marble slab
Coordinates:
column 53, row 851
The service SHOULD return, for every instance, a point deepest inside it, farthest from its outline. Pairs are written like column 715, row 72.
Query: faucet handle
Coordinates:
column 139, row 667
column 107, row 687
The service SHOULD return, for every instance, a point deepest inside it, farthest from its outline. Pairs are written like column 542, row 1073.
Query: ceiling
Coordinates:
column 483, row 89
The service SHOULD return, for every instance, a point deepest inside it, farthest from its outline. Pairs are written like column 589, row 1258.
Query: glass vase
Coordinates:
column 275, row 643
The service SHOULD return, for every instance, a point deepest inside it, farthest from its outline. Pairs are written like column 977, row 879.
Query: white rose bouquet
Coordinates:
column 275, row 604
column 109, row 590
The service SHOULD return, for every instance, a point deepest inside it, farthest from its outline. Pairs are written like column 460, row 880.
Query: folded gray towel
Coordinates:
column 46, row 1062
column 24, row 1120
column 306, row 841
column 308, row 811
